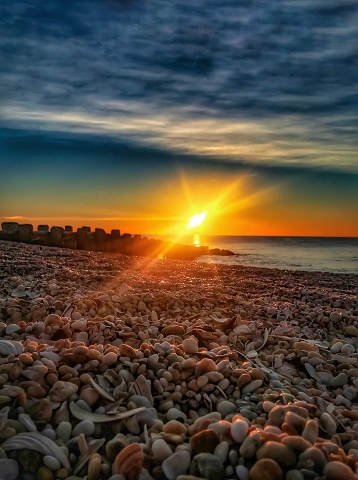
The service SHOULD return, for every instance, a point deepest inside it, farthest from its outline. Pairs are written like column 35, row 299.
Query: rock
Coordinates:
column 239, row 430
column 283, row 455
column 352, row 331
column 109, row 358
column 51, row 462
column 310, row 432
column 296, row 443
column 61, row 391
column 340, row 380
column 64, row 431
column 173, row 330
column 338, row 471
column 250, row 445
column 328, row 423
column 9, row 469
column 208, row 466
column 316, row 456
column 225, row 408
column 190, row 346
column 335, row 316
column 174, row 414
column 176, row 465
column 41, row 410
column 86, row 427
column 266, row 469
column 242, row 472
column 206, row 365
column 173, row 426
column 222, row 451
column 252, row 386
column 161, row 450
column 294, row 475
column 204, row 442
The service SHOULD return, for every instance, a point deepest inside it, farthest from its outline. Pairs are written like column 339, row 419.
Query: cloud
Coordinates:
column 232, row 82
column 281, row 141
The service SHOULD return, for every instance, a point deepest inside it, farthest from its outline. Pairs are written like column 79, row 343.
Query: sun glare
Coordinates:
column 197, row 220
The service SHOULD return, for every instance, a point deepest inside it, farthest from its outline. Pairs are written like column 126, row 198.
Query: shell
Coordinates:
column 141, row 387
column 39, row 443
column 80, row 414
column 10, row 346
column 98, row 388
column 128, row 462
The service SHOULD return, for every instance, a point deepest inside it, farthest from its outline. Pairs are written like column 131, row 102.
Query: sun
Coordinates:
column 196, row 220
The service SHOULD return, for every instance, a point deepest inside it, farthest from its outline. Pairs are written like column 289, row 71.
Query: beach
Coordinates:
column 118, row 367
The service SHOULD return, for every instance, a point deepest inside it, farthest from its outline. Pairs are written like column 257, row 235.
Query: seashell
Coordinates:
column 128, row 462
column 80, row 414
column 141, row 387
column 266, row 336
column 10, row 346
column 37, row 442
column 88, row 379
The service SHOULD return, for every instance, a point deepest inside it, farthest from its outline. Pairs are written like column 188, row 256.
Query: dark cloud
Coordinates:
column 227, row 59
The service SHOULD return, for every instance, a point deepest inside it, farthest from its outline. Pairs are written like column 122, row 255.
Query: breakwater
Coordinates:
column 101, row 241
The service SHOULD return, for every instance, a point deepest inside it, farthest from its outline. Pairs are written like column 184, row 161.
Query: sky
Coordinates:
column 139, row 114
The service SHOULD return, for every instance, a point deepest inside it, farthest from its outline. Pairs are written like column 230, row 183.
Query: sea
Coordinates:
column 325, row 254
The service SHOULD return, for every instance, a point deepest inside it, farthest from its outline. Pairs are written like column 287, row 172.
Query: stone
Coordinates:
column 161, row 450
column 61, row 391
column 242, row 472
column 239, row 430
column 250, row 445
column 204, row 442
column 296, row 443
column 352, row 331
column 208, row 466
column 340, row 380
column 252, row 386
column 328, row 424
column 109, row 358
column 310, row 432
column 316, row 456
column 226, row 408
column 177, row 464
column 266, row 469
column 173, row 426
column 222, row 451
column 283, row 455
column 51, row 462
column 86, row 427
column 206, row 365
column 338, row 471
column 9, row 469
column 190, row 346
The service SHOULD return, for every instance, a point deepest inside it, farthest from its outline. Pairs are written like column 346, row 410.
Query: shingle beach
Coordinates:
column 118, row 367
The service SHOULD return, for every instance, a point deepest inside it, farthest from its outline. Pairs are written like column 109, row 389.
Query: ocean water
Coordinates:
column 336, row 255
column 325, row 254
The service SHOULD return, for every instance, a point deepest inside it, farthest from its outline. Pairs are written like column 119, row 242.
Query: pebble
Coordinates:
column 225, row 408
column 252, row 386
column 338, row 471
column 239, row 430
column 266, row 469
column 208, row 466
column 177, row 464
column 170, row 341
column 86, row 427
column 161, row 450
